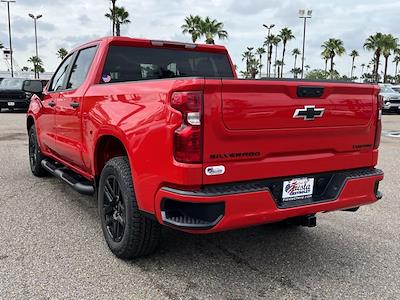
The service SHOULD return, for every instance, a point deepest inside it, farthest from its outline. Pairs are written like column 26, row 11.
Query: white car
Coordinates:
column 391, row 98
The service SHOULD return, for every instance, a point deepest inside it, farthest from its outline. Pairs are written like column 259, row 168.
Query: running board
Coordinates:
column 77, row 182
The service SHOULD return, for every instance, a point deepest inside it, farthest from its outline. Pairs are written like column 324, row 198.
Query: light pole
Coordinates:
column 35, row 18
column 304, row 15
column 9, row 33
column 269, row 30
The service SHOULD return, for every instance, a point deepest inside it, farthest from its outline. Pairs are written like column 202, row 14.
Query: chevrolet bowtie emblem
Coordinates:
column 309, row 112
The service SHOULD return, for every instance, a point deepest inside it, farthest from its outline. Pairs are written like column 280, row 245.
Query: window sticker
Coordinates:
column 106, row 78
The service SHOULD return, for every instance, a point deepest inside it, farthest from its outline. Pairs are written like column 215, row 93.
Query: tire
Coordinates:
column 35, row 156
column 127, row 232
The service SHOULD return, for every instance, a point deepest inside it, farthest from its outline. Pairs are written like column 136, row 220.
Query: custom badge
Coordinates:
column 215, row 170
column 106, row 78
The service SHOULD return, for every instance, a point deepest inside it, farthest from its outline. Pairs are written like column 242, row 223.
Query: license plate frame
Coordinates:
column 297, row 189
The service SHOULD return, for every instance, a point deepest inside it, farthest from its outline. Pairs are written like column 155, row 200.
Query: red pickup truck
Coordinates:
column 164, row 133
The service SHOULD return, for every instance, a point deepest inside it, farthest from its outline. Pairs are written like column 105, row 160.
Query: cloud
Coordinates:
column 25, row 24
column 84, row 19
column 70, row 23
column 251, row 7
column 46, row 3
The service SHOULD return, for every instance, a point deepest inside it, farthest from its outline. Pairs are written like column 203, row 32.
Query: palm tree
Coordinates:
column 278, row 65
column 295, row 52
column 396, row 60
column 247, row 56
column 119, row 16
column 211, row 28
column 252, row 64
column 269, row 44
column 112, row 17
column 260, row 51
column 37, row 64
column 62, row 53
column 254, row 67
column 295, row 71
column 333, row 47
column 389, row 45
column 276, row 42
column 285, row 35
column 375, row 43
column 325, row 56
column 353, row 56
column 192, row 27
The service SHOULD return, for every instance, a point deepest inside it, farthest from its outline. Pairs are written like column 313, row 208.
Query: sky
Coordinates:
column 70, row 23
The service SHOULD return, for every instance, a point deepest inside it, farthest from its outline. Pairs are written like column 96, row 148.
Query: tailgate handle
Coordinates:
column 309, row 91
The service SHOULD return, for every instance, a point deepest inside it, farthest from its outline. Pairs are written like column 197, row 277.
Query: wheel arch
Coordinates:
column 30, row 121
column 107, row 147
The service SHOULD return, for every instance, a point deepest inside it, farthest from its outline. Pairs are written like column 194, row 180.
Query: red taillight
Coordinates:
column 188, row 137
column 378, row 123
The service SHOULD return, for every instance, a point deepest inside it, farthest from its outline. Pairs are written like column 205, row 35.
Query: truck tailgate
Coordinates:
column 265, row 128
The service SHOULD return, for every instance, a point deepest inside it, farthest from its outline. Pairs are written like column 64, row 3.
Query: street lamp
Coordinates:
column 35, row 18
column 269, row 30
column 9, row 33
column 303, row 14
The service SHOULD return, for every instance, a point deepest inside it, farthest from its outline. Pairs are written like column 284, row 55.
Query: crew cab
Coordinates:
column 164, row 133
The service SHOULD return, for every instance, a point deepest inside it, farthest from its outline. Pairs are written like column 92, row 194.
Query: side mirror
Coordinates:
column 33, row 86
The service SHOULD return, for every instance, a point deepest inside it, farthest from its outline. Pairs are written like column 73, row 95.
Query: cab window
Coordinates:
column 81, row 67
column 58, row 78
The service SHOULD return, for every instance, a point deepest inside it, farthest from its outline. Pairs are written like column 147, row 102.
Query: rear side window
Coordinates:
column 81, row 67
column 126, row 63
column 58, row 78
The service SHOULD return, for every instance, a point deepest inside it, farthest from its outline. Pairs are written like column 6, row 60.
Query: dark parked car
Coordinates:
column 12, row 96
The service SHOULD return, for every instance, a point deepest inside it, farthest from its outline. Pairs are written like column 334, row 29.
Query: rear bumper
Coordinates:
column 224, row 207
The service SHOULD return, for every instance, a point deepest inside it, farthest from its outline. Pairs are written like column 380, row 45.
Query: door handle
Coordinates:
column 51, row 104
column 74, row 104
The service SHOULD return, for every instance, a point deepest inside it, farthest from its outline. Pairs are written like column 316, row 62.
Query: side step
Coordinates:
column 77, row 182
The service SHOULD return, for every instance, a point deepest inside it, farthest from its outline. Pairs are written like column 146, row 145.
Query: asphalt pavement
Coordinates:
column 51, row 245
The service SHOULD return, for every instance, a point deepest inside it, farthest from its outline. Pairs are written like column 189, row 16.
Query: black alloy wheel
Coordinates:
column 35, row 155
column 128, row 233
column 32, row 150
column 113, row 209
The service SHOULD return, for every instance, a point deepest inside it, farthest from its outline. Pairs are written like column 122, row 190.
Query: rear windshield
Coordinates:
column 126, row 63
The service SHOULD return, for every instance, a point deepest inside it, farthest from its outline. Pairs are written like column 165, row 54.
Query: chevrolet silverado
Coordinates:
column 164, row 133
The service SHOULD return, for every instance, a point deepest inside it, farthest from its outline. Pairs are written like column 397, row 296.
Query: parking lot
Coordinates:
column 51, row 245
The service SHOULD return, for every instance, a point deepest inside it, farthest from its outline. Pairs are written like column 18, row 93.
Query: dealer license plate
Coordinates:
column 297, row 189
column 11, row 103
